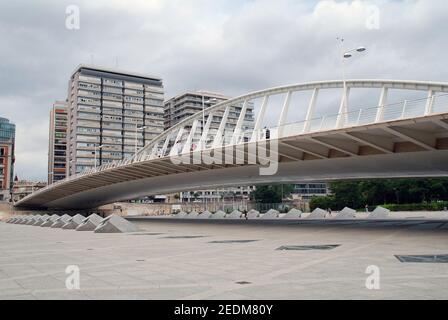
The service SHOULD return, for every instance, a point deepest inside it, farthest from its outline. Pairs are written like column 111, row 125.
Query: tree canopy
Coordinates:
column 356, row 194
column 271, row 193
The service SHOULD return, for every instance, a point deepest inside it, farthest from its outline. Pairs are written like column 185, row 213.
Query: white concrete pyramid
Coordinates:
column 192, row 215
column 181, row 214
column 115, row 224
column 205, row 215
column 19, row 219
column 293, row 214
column 15, row 219
column 90, row 223
column 271, row 214
column 25, row 220
column 236, row 214
column 318, row 213
column 253, row 214
column 33, row 220
column 41, row 220
column 49, row 221
column 219, row 215
column 73, row 222
column 346, row 213
column 379, row 213
column 61, row 221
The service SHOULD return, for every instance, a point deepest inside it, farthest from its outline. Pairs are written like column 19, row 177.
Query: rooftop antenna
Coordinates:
column 91, row 58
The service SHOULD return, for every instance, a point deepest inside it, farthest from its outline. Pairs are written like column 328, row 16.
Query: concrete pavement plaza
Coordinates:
column 174, row 259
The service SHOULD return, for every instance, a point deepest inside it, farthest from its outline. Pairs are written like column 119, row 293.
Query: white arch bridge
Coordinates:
column 408, row 138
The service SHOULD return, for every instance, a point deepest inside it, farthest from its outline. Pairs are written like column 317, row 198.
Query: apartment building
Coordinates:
column 57, row 148
column 111, row 113
column 221, row 194
column 306, row 191
column 7, row 146
column 189, row 103
column 24, row 188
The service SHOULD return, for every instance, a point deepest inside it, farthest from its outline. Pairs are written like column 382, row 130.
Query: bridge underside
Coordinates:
column 418, row 164
column 404, row 148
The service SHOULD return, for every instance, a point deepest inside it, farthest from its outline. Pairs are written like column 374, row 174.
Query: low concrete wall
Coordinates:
column 6, row 210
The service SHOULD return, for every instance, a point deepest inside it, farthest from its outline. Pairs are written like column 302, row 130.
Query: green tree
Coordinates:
column 357, row 194
column 271, row 193
column 196, row 196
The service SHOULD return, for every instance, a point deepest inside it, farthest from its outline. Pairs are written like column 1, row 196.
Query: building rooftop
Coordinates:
column 115, row 71
column 200, row 93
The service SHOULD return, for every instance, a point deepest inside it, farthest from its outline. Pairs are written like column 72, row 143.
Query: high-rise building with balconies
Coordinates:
column 57, row 148
column 111, row 113
column 7, row 145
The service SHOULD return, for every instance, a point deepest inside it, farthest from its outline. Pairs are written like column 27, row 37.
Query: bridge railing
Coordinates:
column 364, row 116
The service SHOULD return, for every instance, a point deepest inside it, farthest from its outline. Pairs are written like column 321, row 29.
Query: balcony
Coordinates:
column 133, row 85
column 89, row 79
column 112, row 83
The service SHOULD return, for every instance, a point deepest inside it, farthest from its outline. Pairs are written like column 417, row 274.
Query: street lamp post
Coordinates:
column 96, row 149
column 346, row 55
column 137, row 128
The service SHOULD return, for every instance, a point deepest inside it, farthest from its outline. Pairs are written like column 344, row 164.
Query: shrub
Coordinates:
column 424, row 206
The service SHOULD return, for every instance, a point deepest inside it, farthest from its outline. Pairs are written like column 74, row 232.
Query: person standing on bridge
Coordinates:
column 268, row 133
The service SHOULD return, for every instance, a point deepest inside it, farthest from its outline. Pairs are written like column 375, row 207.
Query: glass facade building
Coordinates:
column 7, row 145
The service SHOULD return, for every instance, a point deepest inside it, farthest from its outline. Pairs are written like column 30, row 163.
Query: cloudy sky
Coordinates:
column 232, row 47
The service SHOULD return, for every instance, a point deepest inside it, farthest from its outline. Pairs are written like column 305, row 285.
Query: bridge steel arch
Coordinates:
column 406, row 139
